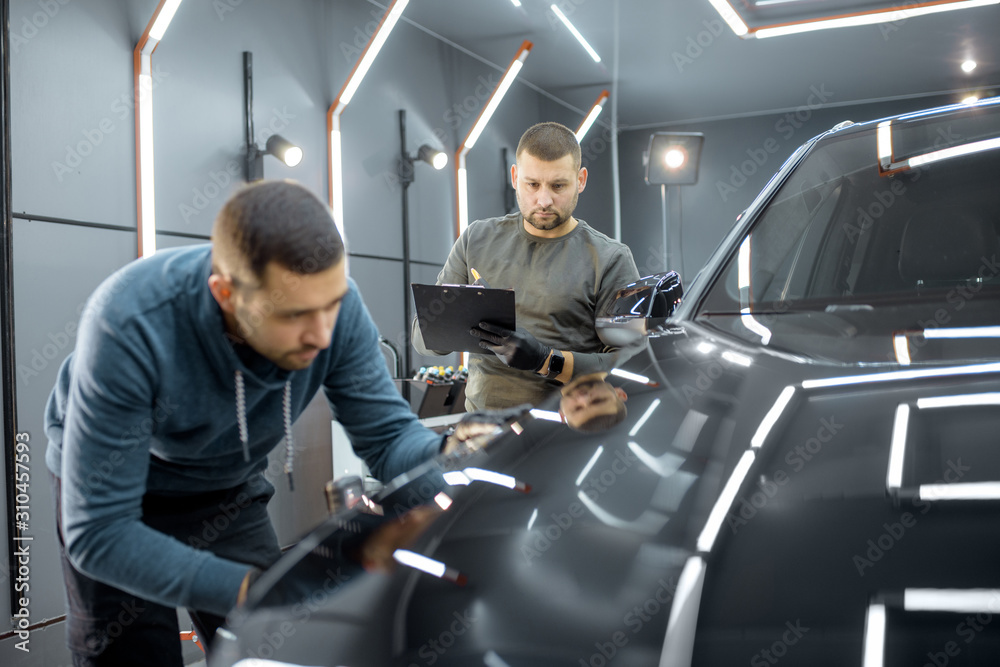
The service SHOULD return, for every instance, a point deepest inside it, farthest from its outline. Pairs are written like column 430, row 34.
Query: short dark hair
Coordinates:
column 274, row 221
column 549, row 142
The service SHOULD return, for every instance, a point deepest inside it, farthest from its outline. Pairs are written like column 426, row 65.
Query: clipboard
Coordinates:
column 446, row 313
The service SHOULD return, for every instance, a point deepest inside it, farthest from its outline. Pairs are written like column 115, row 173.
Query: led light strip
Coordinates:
column 718, row 514
column 595, row 111
column 893, row 376
column 887, row 166
column 771, row 418
column 958, row 601
column 576, row 33
column 142, row 63
column 461, row 173
column 874, row 636
column 888, row 15
column 897, row 448
column 335, row 143
column 869, row 18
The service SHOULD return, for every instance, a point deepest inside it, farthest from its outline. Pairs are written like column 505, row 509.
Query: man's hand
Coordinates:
column 472, row 434
column 476, row 429
column 517, row 349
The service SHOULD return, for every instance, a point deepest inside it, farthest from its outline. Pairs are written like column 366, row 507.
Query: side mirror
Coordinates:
column 640, row 308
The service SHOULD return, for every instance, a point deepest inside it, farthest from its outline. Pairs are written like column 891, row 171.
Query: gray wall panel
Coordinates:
column 56, row 267
column 199, row 113
column 73, row 139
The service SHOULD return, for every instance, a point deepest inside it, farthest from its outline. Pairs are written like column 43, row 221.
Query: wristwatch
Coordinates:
column 556, row 362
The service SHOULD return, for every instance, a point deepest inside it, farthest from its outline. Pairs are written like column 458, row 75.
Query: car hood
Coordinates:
column 735, row 495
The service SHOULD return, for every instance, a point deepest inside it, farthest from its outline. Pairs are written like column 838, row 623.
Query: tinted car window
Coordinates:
column 840, row 232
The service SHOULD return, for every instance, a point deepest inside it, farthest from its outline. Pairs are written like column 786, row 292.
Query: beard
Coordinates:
column 559, row 217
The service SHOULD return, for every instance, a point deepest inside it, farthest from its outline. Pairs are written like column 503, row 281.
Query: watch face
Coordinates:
column 556, row 364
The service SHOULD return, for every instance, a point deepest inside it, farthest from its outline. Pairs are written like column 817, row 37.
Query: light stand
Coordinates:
column 438, row 160
column 671, row 160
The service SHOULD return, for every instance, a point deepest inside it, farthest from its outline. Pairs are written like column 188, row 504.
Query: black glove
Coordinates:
column 517, row 349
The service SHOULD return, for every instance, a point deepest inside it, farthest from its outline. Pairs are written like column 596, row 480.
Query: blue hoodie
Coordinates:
column 147, row 402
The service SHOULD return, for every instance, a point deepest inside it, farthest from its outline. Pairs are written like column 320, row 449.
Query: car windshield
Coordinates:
column 874, row 216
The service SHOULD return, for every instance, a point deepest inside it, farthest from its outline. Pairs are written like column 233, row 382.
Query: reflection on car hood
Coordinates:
column 588, row 563
column 863, row 336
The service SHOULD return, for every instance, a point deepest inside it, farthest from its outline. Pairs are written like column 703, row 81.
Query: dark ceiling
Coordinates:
column 676, row 61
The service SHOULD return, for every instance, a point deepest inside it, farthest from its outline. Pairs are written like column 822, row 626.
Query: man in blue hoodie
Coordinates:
column 190, row 366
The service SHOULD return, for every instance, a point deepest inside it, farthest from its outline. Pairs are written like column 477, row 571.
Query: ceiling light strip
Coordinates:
column 576, row 33
column 730, row 16
column 890, row 15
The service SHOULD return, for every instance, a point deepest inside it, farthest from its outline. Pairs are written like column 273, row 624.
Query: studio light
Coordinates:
column 433, row 157
column 283, row 149
column 673, row 158
column 406, row 173
column 276, row 145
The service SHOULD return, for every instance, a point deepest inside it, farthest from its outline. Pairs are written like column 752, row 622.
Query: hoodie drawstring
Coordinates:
column 241, row 421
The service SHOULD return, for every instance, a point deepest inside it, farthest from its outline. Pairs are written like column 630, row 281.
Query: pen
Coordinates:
column 479, row 278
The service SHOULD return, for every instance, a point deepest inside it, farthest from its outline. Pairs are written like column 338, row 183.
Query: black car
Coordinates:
column 807, row 473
